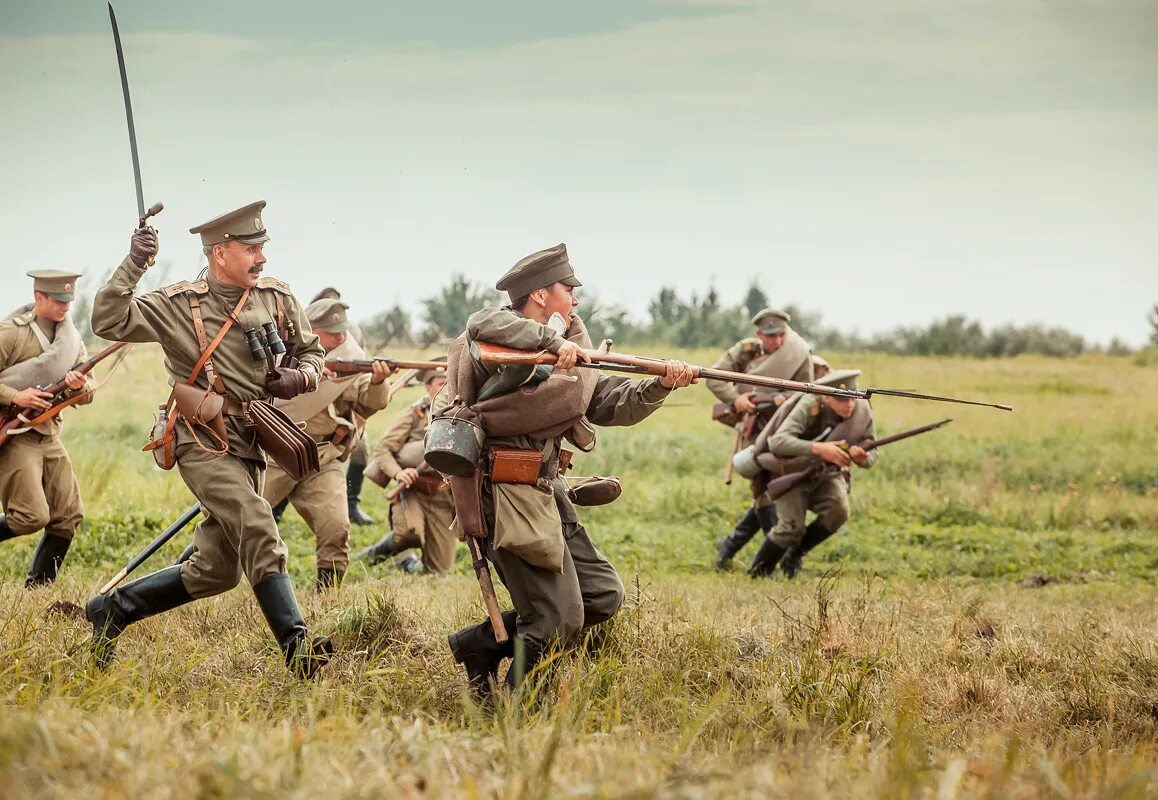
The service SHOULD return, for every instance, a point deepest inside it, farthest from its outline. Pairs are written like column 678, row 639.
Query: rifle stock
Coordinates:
column 343, row 366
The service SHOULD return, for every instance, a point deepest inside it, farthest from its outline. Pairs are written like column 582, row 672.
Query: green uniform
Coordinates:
column 238, row 535
column 573, row 585
column 419, row 519
column 825, row 493
column 38, row 488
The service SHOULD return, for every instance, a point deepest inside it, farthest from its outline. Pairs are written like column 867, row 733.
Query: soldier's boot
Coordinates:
column 304, row 656
column 279, row 509
column 186, row 554
column 767, row 517
column 476, row 648
column 329, row 578
column 522, row 665
column 379, row 552
column 6, row 533
column 764, row 564
column 46, row 560
column 411, row 564
column 355, row 475
column 793, row 560
column 731, row 544
column 110, row 614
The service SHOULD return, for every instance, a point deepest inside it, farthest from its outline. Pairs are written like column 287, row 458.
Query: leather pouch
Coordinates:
column 201, row 407
column 428, row 483
column 468, row 511
column 595, row 491
column 284, row 442
column 510, row 465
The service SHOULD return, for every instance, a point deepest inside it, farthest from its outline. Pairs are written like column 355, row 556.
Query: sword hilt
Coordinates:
column 154, row 209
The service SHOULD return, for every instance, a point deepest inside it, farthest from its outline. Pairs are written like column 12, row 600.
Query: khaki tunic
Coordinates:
column 320, row 498
column 38, row 487
column 555, row 606
column 417, row 519
column 239, row 535
column 826, row 492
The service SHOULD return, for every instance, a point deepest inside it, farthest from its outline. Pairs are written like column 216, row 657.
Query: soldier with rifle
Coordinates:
column 776, row 351
column 38, row 489
column 335, row 417
column 218, row 335
column 816, row 428
column 515, row 499
column 421, row 511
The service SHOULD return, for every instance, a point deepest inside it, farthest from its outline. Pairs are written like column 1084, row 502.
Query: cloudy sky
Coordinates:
column 884, row 163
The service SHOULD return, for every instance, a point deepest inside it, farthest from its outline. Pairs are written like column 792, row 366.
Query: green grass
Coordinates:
column 919, row 655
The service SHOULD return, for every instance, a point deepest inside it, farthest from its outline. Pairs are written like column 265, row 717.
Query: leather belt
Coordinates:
column 234, row 408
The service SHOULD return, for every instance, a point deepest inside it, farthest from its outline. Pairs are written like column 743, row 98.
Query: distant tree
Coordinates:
column 1153, row 320
column 665, row 308
column 391, row 326
column 755, row 299
column 447, row 312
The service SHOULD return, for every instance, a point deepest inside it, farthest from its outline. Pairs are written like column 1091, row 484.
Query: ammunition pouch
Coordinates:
column 526, row 467
column 466, row 492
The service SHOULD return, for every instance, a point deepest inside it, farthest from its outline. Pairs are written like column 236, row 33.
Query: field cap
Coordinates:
column 243, row 225
column 427, row 375
column 55, row 283
column 329, row 292
column 841, row 379
column 538, row 271
column 328, row 315
column 771, row 320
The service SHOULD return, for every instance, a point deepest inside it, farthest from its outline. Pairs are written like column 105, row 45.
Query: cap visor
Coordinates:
column 772, row 331
column 572, row 281
column 63, row 297
column 260, row 238
column 341, row 327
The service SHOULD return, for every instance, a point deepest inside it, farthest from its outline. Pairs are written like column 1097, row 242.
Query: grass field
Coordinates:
column 984, row 626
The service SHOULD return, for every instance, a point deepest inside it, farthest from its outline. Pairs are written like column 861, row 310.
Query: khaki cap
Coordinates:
column 243, row 225
column 328, row 315
column 55, row 283
column 819, row 362
column 841, row 379
column 538, row 271
column 427, row 375
column 771, row 320
column 329, row 292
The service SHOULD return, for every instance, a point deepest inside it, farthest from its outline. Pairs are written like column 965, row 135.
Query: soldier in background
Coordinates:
column 820, row 367
column 826, row 492
column 422, row 513
column 238, row 535
column 38, row 488
column 335, row 417
column 776, row 351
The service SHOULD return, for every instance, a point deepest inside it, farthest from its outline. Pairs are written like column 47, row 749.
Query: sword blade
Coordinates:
column 128, row 114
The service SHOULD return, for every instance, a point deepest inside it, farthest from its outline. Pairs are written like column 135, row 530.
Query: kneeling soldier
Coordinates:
column 37, row 486
column 825, row 493
column 422, row 512
column 220, row 459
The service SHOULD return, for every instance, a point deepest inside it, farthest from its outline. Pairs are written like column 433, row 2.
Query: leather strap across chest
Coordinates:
column 207, row 347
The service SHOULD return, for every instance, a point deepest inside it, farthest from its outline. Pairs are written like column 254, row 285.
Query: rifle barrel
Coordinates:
column 939, row 398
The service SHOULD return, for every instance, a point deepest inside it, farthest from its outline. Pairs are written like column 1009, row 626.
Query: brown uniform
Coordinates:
column 238, row 535
column 419, row 518
column 336, row 427
column 37, row 485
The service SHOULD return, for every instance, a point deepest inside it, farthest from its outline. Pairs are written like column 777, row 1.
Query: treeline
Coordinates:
column 704, row 321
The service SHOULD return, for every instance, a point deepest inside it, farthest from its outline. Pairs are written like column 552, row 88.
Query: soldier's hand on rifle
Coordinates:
column 832, row 452
column 677, row 374
column 143, row 246
column 74, row 380
column 569, row 353
column 858, row 454
column 744, row 403
column 31, row 398
column 285, row 383
column 379, row 371
column 407, row 477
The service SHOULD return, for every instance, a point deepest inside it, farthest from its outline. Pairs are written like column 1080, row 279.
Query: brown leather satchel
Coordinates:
column 281, row 439
column 511, row 465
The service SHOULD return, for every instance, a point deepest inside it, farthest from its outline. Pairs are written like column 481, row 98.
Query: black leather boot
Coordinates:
column 329, row 578
column 303, row 656
column 355, row 475
column 764, row 564
column 186, row 554
column 732, row 543
column 522, row 664
column 793, row 560
column 476, row 649
column 379, row 552
column 110, row 614
column 46, row 560
column 279, row 509
column 5, row 532
column 411, row 564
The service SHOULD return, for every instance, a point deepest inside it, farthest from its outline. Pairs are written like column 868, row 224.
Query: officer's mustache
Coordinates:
column 256, row 269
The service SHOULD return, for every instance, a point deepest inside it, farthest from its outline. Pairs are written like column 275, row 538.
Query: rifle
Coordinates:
column 343, row 366
column 602, row 358
column 778, row 487
column 726, row 413
column 19, row 417
column 153, row 546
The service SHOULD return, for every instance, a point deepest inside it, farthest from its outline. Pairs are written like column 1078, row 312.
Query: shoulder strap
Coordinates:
column 207, row 349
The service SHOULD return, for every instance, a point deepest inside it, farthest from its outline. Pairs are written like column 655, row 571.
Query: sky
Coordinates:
column 883, row 163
